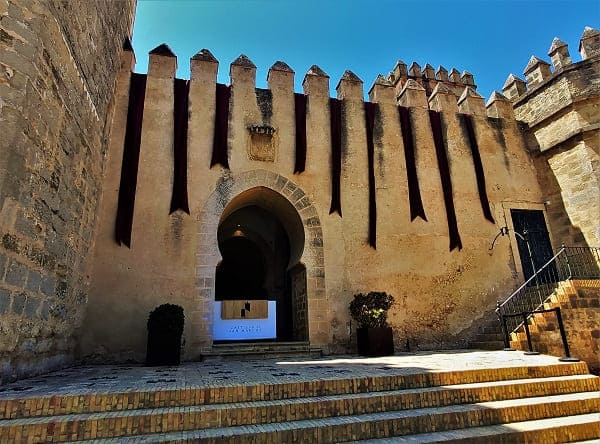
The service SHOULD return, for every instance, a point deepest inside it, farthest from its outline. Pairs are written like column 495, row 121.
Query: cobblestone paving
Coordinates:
column 120, row 378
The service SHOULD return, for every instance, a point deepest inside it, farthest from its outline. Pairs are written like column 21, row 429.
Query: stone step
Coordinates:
column 85, row 400
column 487, row 345
column 489, row 337
column 387, row 424
column 494, row 328
column 254, row 350
column 263, row 345
column 145, row 421
column 547, row 431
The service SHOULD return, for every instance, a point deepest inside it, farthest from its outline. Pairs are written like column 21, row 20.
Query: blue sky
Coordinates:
column 490, row 39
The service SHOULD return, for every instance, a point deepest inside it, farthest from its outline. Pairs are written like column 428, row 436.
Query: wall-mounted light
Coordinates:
column 503, row 232
column 238, row 231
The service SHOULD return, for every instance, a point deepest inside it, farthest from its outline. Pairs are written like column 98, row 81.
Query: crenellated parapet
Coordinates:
column 559, row 113
column 237, row 126
column 559, row 54
column 514, row 87
column 233, row 124
column 470, row 102
column 589, row 44
column 538, row 72
column 428, row 77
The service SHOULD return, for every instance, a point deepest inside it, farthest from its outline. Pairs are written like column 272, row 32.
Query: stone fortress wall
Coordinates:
column 561, row 110
column 68, row 290
column 57, row 78
column 173, row 256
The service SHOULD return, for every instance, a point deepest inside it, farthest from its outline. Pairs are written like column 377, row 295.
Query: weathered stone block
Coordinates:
column 18, row 303
column 3, row 261
column 16, row 274
column 34, row 279
column 31, row 305
column 44, row 310
column 4, row 300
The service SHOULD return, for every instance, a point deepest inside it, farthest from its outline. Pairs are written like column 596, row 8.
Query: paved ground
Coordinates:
column 119, row 378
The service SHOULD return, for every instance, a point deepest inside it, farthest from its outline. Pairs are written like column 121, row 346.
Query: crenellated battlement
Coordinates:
column 280, row 77
column 538, row 72
column 428, row 77
column 325, row 139
column 238, row 123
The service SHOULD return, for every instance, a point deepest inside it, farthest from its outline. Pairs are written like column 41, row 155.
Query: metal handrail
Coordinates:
column 567, row 263
column 531, row 351
column 532, row 278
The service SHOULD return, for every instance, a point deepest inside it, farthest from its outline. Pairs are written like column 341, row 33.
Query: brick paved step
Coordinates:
column 391, row 423
column 87, row 401
column 261, row 345
column 253, row 350
column 547, row 431
column 145, row 421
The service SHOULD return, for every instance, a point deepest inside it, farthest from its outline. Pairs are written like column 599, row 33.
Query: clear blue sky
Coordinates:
column 490, row 39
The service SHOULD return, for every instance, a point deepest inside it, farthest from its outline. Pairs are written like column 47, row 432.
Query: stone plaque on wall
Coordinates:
column 261, row 144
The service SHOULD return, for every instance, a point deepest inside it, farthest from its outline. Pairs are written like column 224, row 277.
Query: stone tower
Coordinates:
column 57, row 79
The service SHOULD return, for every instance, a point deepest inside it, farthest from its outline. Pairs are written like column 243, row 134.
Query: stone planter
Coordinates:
column 376, row 341
column 163, row 349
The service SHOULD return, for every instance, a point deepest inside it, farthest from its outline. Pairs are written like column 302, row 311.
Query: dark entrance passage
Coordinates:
column 242, row 270
column 532, row 226
column 258, row 281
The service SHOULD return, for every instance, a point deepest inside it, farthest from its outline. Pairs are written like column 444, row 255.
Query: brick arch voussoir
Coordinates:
column 232, row 186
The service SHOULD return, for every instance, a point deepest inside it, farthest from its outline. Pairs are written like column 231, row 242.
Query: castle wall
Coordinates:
column 56, row 85
column 561, row 113
column 173, row 257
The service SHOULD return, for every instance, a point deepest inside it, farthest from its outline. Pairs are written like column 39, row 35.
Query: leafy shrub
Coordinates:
column 166, row 319
column 165, row 327
column 370, row 309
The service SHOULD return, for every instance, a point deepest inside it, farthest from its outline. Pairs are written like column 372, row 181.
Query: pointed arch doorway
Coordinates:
column 306, row 268
column 260, row 282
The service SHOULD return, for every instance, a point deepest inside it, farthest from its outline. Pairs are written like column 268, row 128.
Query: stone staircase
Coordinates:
column 579, row 302
column 253, row 350
column 489, row 336
column 538, row 403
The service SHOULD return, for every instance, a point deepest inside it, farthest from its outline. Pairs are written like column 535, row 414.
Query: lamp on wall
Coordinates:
column 238, row 231
column 503, row 232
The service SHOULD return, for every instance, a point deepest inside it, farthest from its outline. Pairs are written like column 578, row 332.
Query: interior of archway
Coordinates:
column 261, row 240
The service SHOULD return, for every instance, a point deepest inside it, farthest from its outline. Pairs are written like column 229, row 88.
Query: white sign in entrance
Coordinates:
column 244, row 329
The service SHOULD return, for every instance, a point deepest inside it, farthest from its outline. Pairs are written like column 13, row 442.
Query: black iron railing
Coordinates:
column 530, row 350
column 567, row 263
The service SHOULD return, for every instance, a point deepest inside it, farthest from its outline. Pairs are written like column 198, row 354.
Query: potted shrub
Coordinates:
column 374, row 336
column 165, row 327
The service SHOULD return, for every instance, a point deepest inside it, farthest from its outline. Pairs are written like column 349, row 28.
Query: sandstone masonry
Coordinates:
column 561, row 111
column 57, row 76
column 68, row 290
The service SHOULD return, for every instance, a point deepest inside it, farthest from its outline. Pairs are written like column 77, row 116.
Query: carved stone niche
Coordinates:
column 262, row 143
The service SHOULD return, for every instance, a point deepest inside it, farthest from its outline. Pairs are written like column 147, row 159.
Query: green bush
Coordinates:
column 165, row 326
column 166, row 319
column 370, row 310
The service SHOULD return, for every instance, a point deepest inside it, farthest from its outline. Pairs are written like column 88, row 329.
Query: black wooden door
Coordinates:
column 532, row 225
